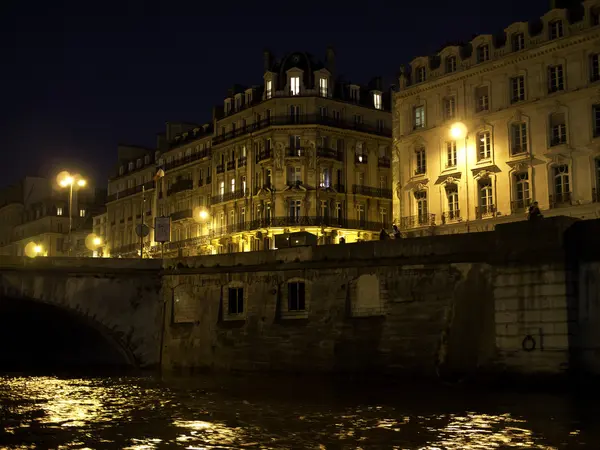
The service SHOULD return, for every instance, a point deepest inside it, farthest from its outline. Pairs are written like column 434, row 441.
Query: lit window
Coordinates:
column 222, row 188
column 59, row 211
column 82, row 213
column 377, row 100
column 269, row 89
column 323, row 87
column 233, row 185
column 295, row 85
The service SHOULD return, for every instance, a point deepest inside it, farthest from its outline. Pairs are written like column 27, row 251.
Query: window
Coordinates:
column 243, row 183
column 562, row 188
column 451, row 64
column 380, row 124
column 595, row 16
column 555, row 78
column 121, row 170
column 249, row 96
column 518, row 137
column 360, row 213
column 450, row 154
column 147, row 159
column 59, row 211
column 517, row 41
column 556, row 29
column 294, row 175
column 360, row 178
column 594, row 68
column 486, row 199
column 323, row 87
column 82, row 213
column 482, row 96
column 517, row 89
column 419, row 117
column 421, row 161
column 295, row 148
column 323, row 111
column 325, row 178
column 483, row 53
column 222, row 188
column 596, row 120
column 484, row 145
column 295, row 85
column 383, row 182
column 269, row 89
column 522, row 196
column 236, row 301
column 233, row 185
column 324, row 209
column 383, row 214
column 335, row 115
column 357, row 119
column 449, row 108
column 377, row 100
column 296, row 296
column 452, row 199
column 354, row 93
column 422, row 210
column 295, row 209
column 130, row 166
column 238, row 103
column 558, row 129
column 420, row 74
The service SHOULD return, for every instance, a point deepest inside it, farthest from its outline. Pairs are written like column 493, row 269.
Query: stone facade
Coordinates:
column 482, row 131
column 304, row 151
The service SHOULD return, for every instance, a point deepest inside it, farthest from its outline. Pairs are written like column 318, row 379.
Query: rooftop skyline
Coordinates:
column 79, row 79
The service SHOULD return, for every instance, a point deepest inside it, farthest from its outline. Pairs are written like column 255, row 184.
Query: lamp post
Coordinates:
column 459, row 130
column 70, row 181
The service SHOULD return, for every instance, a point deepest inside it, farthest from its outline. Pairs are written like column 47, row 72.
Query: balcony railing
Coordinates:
column 264, row 154
column 242, row 160
column 558, row 200
column 180, row 215
column 324, row 152
column 303, row 119
column 485, row 211
column 420, row 220
column 179, row 186
column 299, row 221
column 230, row 165
column 297, row 152
column 420, row 171
column 130, row 191
column 360, row 159
column 520, row 206
column 220, row 168
column 228, row 196
column 383, row 161
column 371, row 191
column 206, row 153
column 450, row 216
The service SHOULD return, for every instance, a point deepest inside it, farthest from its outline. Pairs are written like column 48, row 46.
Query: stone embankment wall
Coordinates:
column 460, row 304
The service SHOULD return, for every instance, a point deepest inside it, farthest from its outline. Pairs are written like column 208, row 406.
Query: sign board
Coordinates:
column 142, row 230
column 162, row 229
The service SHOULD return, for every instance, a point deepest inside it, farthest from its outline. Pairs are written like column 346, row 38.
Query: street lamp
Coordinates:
column 458, row 131
column 67, row 180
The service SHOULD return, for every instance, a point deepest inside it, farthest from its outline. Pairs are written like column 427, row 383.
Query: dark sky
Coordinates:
column 78, row 77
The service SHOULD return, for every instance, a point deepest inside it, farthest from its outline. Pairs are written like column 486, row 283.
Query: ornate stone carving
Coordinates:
column 279, row 156
column 482, row 174
column 399, row 190
column 450, row 180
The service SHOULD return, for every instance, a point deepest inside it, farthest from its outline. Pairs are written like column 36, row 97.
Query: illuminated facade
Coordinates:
column 305, row 151
column 482, row 131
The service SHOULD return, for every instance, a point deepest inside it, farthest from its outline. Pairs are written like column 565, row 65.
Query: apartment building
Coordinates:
column 483, row 130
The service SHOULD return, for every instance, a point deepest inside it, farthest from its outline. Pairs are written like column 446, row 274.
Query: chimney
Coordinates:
column 267, row 60
column 330, row 60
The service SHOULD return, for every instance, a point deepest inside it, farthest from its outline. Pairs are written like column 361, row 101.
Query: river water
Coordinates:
column 216, row 412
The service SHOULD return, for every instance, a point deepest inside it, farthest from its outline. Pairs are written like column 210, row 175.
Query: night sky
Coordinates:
column 80, row 77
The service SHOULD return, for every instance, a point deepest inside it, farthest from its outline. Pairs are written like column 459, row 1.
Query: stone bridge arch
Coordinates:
column 110, row 307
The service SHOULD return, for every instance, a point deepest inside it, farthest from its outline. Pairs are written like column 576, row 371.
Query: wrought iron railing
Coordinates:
column 227, row 196
column 180, row 215
column 420, row 220
column 450, row 216
column 383, row 161
column 562, row 199
column 485, row 211
column 131, row 191
column 370, row 191
column 179, row 186
column 206, row 153
column 324, row 152
column 519, row 206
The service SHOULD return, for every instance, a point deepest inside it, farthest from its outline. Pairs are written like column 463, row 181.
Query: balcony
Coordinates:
column 331, row 153
column 369, row 191
column 242, row 161
column 299, row 221
column 130, row 191
column 420, row 220
column 482, row 212
column 220, row 168
column 297, row 152
column 451, row 216
column 208, row 180
column 383, row 162
column 264, row 155
column 180, row 215
column 230, row 165
column 228, row 196
column 520, row 206
column 303, row 119
column 206, row 153
column 180, row 186
column 360, row 159
column 560, row 200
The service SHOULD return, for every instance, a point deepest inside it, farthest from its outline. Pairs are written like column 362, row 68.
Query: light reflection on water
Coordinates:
column 145, row 413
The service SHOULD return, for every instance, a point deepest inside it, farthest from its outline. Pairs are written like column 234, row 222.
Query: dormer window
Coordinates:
column 269, row 89
column 238, row 102
column 420, row 74
column 130, row 166
column 228, row 106
column 483, row 53
column 377, row 100
column 450, row 64
column 323, row 87
column 595, row 16
column 556, row 29
column 147, row 159
column 249, row 97
column 517, row 41
column 354, row 93
column 121, row 170
column 138, row 163
column 294, row 85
